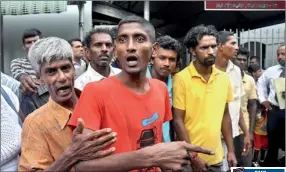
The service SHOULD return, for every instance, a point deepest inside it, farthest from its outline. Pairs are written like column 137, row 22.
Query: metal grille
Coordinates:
column 262, row 42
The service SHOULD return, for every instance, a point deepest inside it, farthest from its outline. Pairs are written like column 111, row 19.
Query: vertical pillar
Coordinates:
column 147, row 10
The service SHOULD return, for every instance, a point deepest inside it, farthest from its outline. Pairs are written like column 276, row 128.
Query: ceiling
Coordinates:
column 175, row 18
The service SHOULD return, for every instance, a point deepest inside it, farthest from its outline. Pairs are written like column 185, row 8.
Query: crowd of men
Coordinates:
column 118, row 102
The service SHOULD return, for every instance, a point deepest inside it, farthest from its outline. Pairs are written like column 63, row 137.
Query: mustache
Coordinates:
column 210, row 57
column 104, row 55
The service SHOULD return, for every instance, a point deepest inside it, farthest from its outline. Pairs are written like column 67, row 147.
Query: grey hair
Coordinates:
column 47, row 50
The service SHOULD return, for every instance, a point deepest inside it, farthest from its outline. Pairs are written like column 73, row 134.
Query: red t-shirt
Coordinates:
column 137, row 119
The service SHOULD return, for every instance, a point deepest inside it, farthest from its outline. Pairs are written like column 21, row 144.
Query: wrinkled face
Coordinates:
column 28, row 42
column 133, row 48
column 100, row 50
column 77, row 49
column 230, row 48
column 59, row 77
column 281, row 55
column 164, row 61
column 206, row 50
column 241, row 61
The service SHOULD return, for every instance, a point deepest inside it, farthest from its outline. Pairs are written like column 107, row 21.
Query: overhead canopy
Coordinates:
column 32, row 7
column 175, row 18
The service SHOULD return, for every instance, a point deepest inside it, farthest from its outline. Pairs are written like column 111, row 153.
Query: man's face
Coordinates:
column 133, row 48
column 281, row 55
column 241, row 61
column 77, row 49
column 257, row 74
column 253, row 61
column 59, row 77
column 206, row 50
column 164, row 61
column 100, row 50
column 28, row 42
column 230, row 48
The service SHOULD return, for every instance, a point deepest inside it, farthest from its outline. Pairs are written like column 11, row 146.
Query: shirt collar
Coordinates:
column 62, row 114
column 91, row 72
column 230, row 66
column 149, row 75
column 194, row 73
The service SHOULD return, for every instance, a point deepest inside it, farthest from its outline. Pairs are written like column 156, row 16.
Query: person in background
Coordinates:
column 100, row 48
column 256, row 71
column 227, row 49
column 201, row 94
column 166, row 54
column 248, row 106
column 267, row 96
column 21, row 68
column 78, row 59
column 34, row 93
column 10, row 129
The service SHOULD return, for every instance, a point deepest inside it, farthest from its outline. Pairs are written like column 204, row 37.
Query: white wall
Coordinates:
column 63, row 25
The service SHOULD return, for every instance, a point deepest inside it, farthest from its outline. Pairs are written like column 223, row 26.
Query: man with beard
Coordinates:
column 276, row 116
column 200, row 99
column 132, row 105
column 164, row 59
column 227, row 49
column 100, row 47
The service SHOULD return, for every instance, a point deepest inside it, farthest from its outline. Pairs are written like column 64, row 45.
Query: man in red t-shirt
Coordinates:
column 132, row 105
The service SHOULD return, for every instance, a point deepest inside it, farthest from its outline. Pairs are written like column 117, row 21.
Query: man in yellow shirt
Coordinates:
column 200, row 99
column 248, row 106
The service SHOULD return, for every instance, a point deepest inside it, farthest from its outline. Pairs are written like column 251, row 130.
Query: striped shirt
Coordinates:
column 21, row 66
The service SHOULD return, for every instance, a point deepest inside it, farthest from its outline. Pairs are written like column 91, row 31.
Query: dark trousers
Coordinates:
column 276, row 135
column 242, row 161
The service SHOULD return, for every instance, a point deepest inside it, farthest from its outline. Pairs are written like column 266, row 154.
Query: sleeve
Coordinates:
column 168, row 115
column 179, row 93
column 10, row 134
column 35, row 154
column 252, row 94
column 16, row 69
column 262, row 85
column 88, row 108
column 229, row 91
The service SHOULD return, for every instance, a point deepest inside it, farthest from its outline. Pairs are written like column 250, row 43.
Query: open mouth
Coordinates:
column 64, row 90
column 132, row 61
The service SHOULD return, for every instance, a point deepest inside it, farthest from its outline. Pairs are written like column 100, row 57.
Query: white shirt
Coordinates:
column 10, row 83
column 235, row 77
column 10, row 133
column 79, row 68
column 267, row 81
column 90, row 75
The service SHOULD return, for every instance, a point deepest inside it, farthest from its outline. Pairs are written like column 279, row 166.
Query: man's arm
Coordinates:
column 170, row 156
column 179, row 126
column 246, row 142
column 262, row 90
column 16, row 68
column 252, row 106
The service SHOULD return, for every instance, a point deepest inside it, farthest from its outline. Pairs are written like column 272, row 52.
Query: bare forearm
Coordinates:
column 118, row 162
column 252, row 114
column 64, row 163
column 226, row 130
column 181, row 131
column 243, row 125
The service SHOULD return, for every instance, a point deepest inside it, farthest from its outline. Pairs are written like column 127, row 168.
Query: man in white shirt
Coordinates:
column 99, row 44
column 267, row 96
column 227, row 49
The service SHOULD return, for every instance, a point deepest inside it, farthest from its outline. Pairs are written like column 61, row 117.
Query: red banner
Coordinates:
column 245, row 5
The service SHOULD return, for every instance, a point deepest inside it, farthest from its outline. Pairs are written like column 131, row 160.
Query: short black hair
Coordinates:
column 254, row 68
column 255, row 57
column 88, row 36
column 196, row 33
column 70, row 41
column 243, row 52
column 143, row 22
column 168, row 43
column 223, row 36
column 32, row 32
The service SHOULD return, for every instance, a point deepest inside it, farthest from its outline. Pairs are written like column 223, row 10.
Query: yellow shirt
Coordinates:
column 204, row 105
column 250, row 93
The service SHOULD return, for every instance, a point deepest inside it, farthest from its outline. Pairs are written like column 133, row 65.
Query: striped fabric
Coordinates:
column 21, row 66
column 10, row 83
